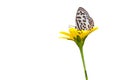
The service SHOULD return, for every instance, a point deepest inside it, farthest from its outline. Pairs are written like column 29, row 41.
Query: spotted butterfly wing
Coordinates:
column 83, row 20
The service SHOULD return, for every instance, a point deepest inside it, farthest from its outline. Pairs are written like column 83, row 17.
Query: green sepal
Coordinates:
column 79, row 41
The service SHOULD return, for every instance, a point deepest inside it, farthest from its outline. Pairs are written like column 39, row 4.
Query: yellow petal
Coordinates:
column 93, row 29
column 85, row 33
column 73, row 32
column 68, row 38
column 65, row 33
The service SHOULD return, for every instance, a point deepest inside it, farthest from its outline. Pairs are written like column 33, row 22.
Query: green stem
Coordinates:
column 83, row 61
column 80, row 43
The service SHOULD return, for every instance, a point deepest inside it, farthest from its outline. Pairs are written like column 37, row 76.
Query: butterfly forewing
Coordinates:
column 83, row 20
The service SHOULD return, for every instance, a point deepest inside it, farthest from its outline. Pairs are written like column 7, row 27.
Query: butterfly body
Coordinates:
column 83, row 20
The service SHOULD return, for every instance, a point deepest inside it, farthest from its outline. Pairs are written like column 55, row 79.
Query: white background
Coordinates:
column 31, row 50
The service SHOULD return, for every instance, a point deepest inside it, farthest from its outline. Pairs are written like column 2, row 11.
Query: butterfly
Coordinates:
column 83, row 20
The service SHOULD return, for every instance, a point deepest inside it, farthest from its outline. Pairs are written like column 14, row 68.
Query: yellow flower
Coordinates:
column 73, row 33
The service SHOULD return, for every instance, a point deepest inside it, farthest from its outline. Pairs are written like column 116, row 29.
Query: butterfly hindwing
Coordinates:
column 83, row 20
